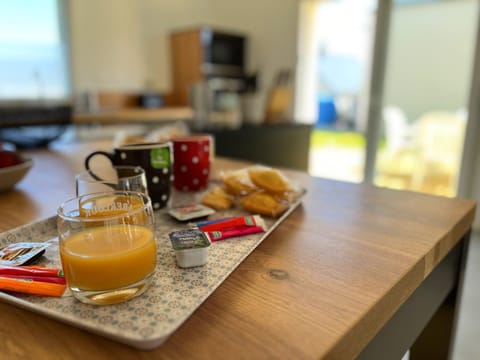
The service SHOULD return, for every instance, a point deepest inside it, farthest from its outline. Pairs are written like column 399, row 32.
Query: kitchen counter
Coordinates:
column 135, row 115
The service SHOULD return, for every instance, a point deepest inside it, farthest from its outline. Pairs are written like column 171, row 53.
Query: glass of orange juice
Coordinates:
column 107, row 245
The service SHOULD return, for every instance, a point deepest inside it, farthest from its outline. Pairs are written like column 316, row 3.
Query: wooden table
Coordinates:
column 354, row 271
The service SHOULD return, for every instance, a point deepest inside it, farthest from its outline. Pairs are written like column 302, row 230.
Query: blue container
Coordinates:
column 327, row 113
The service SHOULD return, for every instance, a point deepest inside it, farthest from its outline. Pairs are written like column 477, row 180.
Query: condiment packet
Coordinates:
column 21, row 253
column 232, row 223
column 188, row 239
column 218, row 235
column 190, row 212
column 32, row 287
column 35, row 280
column 191, row 247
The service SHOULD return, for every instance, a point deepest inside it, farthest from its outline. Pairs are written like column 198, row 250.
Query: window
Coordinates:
column 33, row 51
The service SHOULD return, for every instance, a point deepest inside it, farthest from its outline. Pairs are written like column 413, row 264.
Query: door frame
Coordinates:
column 375, row 90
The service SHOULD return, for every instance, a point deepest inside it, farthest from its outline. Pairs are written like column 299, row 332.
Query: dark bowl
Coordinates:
column 11, row 175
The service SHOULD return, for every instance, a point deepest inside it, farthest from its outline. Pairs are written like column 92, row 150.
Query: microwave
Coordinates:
column 223, row 53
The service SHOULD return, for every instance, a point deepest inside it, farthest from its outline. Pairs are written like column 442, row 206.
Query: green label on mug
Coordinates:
column 160, row 158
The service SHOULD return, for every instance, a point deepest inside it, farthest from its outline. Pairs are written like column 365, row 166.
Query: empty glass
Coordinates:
column 126, row 178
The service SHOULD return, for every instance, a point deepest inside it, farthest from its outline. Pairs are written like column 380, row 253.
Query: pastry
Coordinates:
column 238, row 182
column 269, row 179
column 263, row 203
column 218, row 199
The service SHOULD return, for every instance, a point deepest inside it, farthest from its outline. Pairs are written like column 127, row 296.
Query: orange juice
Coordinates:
column 109, row 257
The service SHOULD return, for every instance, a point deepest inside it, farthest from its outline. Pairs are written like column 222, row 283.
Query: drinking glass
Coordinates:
column 125, row 178
column 107, row 245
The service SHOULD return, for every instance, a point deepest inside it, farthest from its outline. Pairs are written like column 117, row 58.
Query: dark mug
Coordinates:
column 155, row 158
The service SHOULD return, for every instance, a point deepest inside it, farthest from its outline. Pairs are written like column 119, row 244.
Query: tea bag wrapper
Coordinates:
column 21, row 253
column 190, row 212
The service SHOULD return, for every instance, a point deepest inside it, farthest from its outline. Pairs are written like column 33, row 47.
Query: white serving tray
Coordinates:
column 147, row 321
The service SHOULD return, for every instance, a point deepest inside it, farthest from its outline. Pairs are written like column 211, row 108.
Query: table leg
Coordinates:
column 426, row 322
column 437, row 339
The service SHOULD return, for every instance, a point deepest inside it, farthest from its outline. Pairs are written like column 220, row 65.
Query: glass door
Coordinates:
column 335, row 46
column 419, row 127
column 399, row 78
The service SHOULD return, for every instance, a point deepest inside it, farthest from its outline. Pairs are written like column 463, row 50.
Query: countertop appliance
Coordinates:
column 209, row 74
column 203, row 54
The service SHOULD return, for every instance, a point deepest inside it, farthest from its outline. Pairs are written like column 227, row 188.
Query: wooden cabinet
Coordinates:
column 186, row 63
column 282, row 145
column 205, row 54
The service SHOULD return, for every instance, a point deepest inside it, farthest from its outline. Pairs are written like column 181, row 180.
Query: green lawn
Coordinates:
column 321, row 138
column 342, row 139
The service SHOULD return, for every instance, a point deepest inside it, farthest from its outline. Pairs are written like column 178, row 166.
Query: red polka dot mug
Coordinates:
column 192, row 156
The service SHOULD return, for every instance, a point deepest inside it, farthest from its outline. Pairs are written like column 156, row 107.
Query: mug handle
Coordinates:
column 90, row 156
column 87, row 164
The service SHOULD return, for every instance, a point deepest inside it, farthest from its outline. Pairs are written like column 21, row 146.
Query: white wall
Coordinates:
column 107, row 48
column 430, row 56
column 122, row 44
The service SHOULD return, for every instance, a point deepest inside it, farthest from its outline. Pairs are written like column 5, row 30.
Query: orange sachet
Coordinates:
column 32, row 287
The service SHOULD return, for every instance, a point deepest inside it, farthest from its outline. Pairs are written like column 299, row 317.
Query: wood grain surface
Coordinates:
column 320, row 286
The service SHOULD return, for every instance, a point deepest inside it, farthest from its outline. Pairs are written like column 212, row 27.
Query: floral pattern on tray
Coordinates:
column 146, row 321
